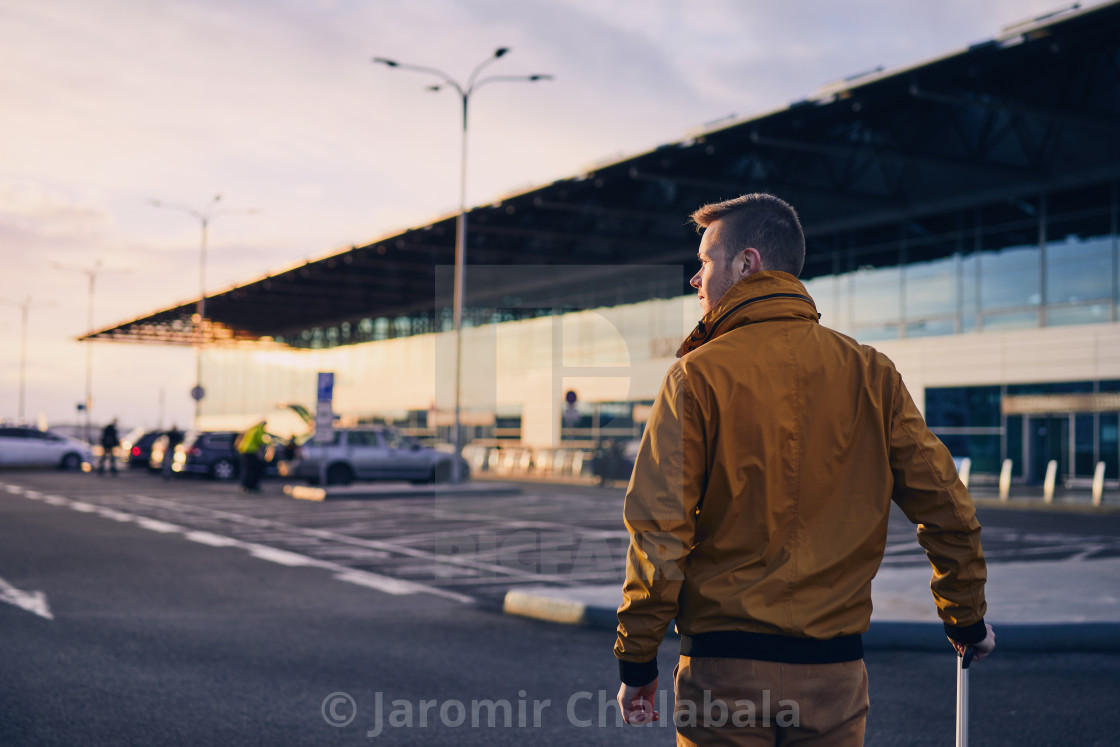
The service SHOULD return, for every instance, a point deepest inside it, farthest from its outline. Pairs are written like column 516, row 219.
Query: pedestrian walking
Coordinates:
column 758, row 506
column 174, row 438
column 109, row 443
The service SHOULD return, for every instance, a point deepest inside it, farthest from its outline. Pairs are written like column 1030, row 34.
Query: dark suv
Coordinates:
column 207, row 453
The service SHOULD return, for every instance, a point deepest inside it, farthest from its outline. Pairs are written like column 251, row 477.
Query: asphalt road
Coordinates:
column 165, row 630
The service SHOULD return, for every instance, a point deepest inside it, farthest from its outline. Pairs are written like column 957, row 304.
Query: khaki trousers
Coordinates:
column 748, row 702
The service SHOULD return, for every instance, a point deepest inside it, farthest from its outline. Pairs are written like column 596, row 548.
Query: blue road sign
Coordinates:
column 326, row 386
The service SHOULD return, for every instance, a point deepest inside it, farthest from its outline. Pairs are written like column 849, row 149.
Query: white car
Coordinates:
column 23, row 446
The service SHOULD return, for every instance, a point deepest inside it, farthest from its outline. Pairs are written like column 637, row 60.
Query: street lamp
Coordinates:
column 205, row 215
column 24, row 307
column 91, row 273
column 473, row 84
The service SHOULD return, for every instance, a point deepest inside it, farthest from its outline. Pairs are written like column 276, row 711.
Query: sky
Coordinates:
column 106, row 105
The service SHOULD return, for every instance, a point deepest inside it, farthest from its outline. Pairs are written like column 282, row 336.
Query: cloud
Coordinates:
column 32, row 213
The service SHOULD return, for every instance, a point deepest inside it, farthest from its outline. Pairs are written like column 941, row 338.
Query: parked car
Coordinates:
column 136, row 448
column 24, row 446
column 374, row 453
column 210, row 454
column 207, row 453
column 159, row 447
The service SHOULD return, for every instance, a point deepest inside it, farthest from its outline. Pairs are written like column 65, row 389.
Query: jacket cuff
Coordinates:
column 637, row 674
column 969, row 634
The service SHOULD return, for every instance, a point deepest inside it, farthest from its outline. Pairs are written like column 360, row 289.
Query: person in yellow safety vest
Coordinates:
column 250, row 444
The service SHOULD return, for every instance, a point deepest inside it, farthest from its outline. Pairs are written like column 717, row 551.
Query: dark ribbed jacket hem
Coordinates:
column 737, row 644
column 637, row 674
column 967, row 634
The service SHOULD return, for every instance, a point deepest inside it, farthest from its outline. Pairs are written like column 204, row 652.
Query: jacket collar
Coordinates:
column 761, row 297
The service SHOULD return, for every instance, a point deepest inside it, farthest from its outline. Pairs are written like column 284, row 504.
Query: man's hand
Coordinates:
column 637, row 703
column 983, row 648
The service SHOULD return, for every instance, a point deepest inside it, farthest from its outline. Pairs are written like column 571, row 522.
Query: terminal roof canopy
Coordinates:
column 1035, row 109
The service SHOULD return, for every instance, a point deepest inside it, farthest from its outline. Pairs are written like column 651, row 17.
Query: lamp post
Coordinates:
column 204, row 216
column 473, row 84
column 24, row 307
column 91, row 273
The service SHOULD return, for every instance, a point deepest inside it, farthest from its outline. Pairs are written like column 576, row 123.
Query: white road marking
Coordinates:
column 32, row 601
column 36, row 601
column 341, row 572
column 459, row 560
column 158, row 526
column 393, row 585
column 115, row 515
column 208, row 538
column 474, row 562
column 274, row 555
column 1088, row 552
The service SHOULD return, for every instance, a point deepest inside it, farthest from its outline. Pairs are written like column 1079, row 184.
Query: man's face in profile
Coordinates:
column 716, row 274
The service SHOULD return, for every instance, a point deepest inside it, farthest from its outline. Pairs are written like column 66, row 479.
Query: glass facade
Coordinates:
column 1030, row 261
column 512, row 372
column 1027, row 261
column 967, row 420
column 595, row 421
column 971, row 421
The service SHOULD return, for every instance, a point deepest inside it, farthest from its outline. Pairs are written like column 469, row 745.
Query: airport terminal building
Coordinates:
column 961, row 216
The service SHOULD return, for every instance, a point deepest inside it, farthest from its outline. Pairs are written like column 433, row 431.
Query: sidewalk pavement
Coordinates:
column 1032, row 605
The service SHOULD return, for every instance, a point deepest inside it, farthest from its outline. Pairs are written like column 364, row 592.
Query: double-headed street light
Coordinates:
column 464, row 91
column 204, row 216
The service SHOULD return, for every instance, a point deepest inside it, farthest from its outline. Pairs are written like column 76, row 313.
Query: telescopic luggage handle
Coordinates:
column 963, row 660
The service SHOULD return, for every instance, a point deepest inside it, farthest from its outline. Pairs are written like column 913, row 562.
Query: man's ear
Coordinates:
column 752, row 262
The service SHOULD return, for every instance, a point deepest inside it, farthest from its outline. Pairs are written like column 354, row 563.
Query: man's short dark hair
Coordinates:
column 762, row 221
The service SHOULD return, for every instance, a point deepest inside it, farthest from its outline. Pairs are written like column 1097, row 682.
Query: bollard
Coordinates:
column 965, row 470
column 1098, row 484
column 577, row 463
column 1005, row 480
column 1051, row 477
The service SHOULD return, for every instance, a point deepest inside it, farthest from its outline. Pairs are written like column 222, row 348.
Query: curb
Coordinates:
column 563, row 611
column 982, row 497
column 1030, row 504
column 881, row 635
column 396, row 490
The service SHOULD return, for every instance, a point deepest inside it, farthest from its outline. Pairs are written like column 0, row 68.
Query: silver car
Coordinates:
column 375, row 453
column 24, row 446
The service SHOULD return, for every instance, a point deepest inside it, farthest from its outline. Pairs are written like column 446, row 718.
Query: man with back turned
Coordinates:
column 758, row 506
column 110, row 440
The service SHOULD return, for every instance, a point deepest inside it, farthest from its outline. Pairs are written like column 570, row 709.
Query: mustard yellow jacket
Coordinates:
column 761, row 490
